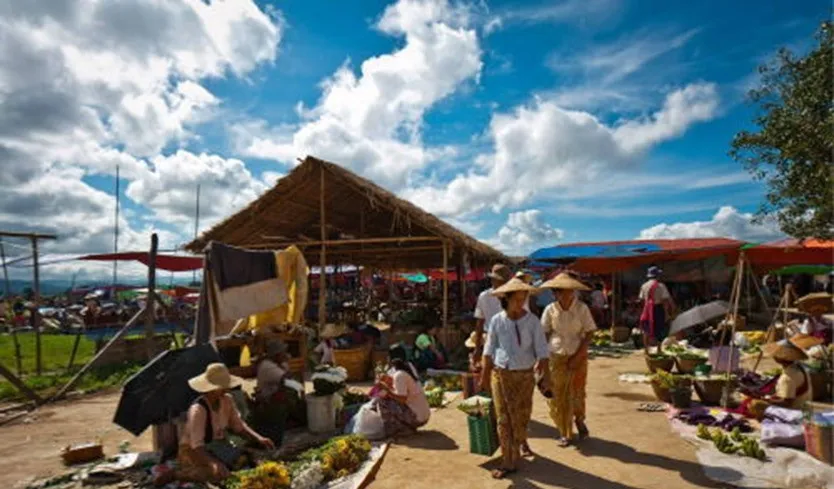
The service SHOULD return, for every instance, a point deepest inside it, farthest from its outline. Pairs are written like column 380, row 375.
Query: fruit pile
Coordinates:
column 435, row 397
column 734, row 443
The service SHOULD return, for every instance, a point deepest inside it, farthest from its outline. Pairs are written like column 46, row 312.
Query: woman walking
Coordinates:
column 515, row 345
column 569, row 325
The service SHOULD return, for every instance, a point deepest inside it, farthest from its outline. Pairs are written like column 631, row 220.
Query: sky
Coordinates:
column 525, row 124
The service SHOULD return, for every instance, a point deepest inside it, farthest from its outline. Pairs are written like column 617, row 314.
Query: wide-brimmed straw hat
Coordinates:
column 515, row 285
column 500, row 272
column 564, row 281
column 330, row 330
column 215, row 377
column 380, row 326
column 816, row 304
column 473, row 337
column 804, row 341
column 784, row 350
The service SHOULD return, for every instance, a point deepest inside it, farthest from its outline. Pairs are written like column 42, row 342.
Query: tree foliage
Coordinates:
column 793, row 146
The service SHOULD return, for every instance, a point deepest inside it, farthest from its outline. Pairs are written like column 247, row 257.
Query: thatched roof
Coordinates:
column 355, row 209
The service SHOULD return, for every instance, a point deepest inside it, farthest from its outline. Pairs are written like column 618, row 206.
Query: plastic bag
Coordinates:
column 368, row 422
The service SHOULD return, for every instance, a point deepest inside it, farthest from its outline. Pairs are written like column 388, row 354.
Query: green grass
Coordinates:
column 55, row 351
column 95, row 379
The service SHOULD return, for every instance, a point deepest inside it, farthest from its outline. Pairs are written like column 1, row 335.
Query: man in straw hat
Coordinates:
column 793, row 388
column 204, row 453
column 569, row 325
column 328, row 337
column 515, row 345
column 488, row 304
column 815, row 306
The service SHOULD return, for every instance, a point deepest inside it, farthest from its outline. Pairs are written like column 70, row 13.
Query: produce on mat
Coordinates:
column 435, row 397
column 735, row 443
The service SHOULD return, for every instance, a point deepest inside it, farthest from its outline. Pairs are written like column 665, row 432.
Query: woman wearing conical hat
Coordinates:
column 817, row 325
column 793, row 387
column 515, row 346
column 569, row 326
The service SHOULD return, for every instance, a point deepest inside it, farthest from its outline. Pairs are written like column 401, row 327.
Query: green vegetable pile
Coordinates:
column 734, row 443
column 435, row 397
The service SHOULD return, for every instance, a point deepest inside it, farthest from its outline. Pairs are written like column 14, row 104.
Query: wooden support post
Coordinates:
column 445, row 291
column 135, row 319
column 150, row 309
column 322, row 255
column 36, row 316
column 20, row 385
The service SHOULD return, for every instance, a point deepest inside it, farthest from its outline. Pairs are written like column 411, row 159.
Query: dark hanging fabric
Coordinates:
column 234, row 267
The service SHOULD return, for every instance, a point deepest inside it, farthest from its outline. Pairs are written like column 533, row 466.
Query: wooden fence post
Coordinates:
column 150, row 309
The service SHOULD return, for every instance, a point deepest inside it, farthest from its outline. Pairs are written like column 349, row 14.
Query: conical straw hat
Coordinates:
column 784, row 350
column 330, row 330
column 564, row 281
column 816, row 303
column 514, row 285
column 470, row 342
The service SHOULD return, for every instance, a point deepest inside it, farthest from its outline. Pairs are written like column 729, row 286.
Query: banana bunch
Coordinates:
column 723, row 442
column 736, row 435
column 755, row 337
column 703, row 432
column 751, row 448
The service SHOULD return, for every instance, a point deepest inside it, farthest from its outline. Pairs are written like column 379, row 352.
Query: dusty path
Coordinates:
column 629, row 449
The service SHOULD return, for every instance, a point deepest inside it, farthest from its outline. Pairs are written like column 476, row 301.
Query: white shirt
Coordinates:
column 405, row 385
column 812, row 325
column 567, row 327
column 661, row 293
column 326, row 352
column 489, row 306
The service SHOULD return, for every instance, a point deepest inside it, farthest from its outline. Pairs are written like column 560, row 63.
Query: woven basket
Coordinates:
column 80, row 454
column 710, row 391
column 655, row 364
column 620, row 334
column 819, row 442
column 661, row 393
column 688, row 365
column 483, row 435
column 682, row 397
column 821, row 386
column 355, row 361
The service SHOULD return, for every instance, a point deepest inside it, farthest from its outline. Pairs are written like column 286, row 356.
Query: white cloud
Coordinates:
column 543, row 148
column 371, row 121
column 726, row 223
column 525, row 230
column 86, row 85
column 574, row 11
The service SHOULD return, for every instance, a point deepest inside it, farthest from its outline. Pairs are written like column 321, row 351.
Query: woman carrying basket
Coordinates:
column 515, row 345
column 569, row 325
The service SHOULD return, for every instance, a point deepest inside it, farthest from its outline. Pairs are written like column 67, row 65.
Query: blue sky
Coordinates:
column 524, row 123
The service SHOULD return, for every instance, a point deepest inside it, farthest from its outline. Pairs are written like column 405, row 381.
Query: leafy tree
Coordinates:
column 793, row 146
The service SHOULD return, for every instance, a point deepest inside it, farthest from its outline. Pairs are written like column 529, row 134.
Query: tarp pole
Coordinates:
column 322, row 254
column 150, row 309
column 446, row 292
column 36, row 315
column 7, row 299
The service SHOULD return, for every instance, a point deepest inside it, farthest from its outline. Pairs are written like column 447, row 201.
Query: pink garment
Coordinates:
column 648, row 309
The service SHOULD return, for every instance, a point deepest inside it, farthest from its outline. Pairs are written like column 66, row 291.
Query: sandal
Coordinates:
column 502, row 473
column 563, row 442
column 526, row 452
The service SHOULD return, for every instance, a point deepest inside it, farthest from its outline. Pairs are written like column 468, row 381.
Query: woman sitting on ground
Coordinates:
column 403, row 404
column 205, row 455
column 429, row 353
column 275, row 402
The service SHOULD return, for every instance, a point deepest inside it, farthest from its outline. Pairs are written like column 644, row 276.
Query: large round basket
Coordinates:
column 710, row 391
column 661, row 393
column 688, row 365
column 620, row 334
column 355, row 361
column 660, row 363
column 821, row 385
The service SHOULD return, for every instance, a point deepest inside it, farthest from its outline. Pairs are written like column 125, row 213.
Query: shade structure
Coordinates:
column 169, row 263
column 778, row 254
column 160, row 390
column 699, row 315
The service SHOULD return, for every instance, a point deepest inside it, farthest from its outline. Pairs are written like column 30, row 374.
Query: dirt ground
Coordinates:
column 628, row 449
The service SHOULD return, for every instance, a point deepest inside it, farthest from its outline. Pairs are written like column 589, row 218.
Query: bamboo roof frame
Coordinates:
column 365, row 224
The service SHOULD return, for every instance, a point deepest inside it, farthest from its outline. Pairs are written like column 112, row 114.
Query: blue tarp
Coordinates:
column 568, row 253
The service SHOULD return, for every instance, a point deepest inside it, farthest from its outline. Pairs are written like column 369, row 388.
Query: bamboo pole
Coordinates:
column 150, row 309
column 69, row 385
column 15, row 381
column 337, row 242
column 10, row 234
column 36, row 316
column 322, row 254
column 783, row 303
column 74, row 348
column 6, row 296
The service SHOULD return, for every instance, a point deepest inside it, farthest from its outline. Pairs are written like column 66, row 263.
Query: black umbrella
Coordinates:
column 160, row 390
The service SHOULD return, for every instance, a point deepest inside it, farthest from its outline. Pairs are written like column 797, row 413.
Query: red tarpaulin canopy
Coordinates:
column 170, row 263
column 778, row 254
column 472, row 276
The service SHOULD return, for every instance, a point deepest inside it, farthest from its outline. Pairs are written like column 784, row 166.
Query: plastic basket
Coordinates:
column 819, row 442
column 483, row 435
